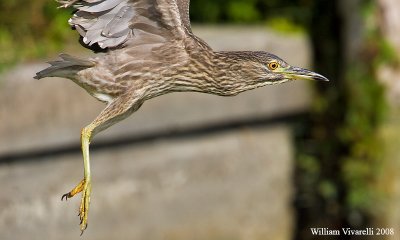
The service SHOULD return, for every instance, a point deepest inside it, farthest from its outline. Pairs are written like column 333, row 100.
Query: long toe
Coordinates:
column 73, row 192
column 84, row 207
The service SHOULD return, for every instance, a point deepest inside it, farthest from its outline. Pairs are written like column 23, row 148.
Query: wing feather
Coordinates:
column 117, row 26
column 112, row 23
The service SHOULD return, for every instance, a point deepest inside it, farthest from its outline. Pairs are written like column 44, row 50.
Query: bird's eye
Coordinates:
column 273, row 65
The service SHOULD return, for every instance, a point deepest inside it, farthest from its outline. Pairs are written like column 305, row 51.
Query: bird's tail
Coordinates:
column 67, row 67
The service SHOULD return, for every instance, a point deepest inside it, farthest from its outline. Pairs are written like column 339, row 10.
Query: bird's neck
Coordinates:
column 218, row 73
column 233, row 73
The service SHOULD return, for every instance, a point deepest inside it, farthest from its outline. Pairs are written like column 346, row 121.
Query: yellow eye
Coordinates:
column 273, row 65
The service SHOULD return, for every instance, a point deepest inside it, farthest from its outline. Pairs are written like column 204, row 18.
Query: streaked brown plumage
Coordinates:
column 149, row 50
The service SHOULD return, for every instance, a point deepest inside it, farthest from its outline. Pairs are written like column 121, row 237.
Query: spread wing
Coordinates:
column 119, row 23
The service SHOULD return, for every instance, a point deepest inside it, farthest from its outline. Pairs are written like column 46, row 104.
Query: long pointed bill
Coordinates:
column 295, row 73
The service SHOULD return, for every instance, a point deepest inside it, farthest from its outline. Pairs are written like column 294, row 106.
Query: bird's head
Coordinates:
column 236, row 72
column 270, row 69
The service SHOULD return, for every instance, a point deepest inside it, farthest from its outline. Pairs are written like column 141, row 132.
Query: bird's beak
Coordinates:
column 295, row 73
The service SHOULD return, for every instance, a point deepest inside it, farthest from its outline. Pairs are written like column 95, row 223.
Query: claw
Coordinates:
column 83, row 229
column 66, row 196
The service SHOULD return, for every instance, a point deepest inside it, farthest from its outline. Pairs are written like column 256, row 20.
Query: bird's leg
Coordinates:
column 116, row 111
column 85, row 185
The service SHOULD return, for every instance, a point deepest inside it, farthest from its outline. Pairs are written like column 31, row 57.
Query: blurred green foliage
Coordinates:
column 249, row 11
column 285, row 15
column 367, row 111
column 30, row 29
column 340, row 150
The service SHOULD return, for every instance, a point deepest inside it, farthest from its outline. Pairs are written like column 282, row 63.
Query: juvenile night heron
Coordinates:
column 148, row 49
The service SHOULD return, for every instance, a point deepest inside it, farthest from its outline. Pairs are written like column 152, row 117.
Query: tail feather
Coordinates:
column 67, row 67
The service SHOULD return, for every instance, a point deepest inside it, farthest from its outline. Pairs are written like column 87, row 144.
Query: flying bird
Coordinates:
column 145, row 49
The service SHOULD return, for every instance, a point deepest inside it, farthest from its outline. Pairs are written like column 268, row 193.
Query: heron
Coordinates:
column 145, row 49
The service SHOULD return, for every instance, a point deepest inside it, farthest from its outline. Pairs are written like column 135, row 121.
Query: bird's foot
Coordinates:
column 85, row 187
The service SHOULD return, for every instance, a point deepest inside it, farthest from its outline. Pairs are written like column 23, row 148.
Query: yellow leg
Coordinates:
column 85, row 185
column 113, row 113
